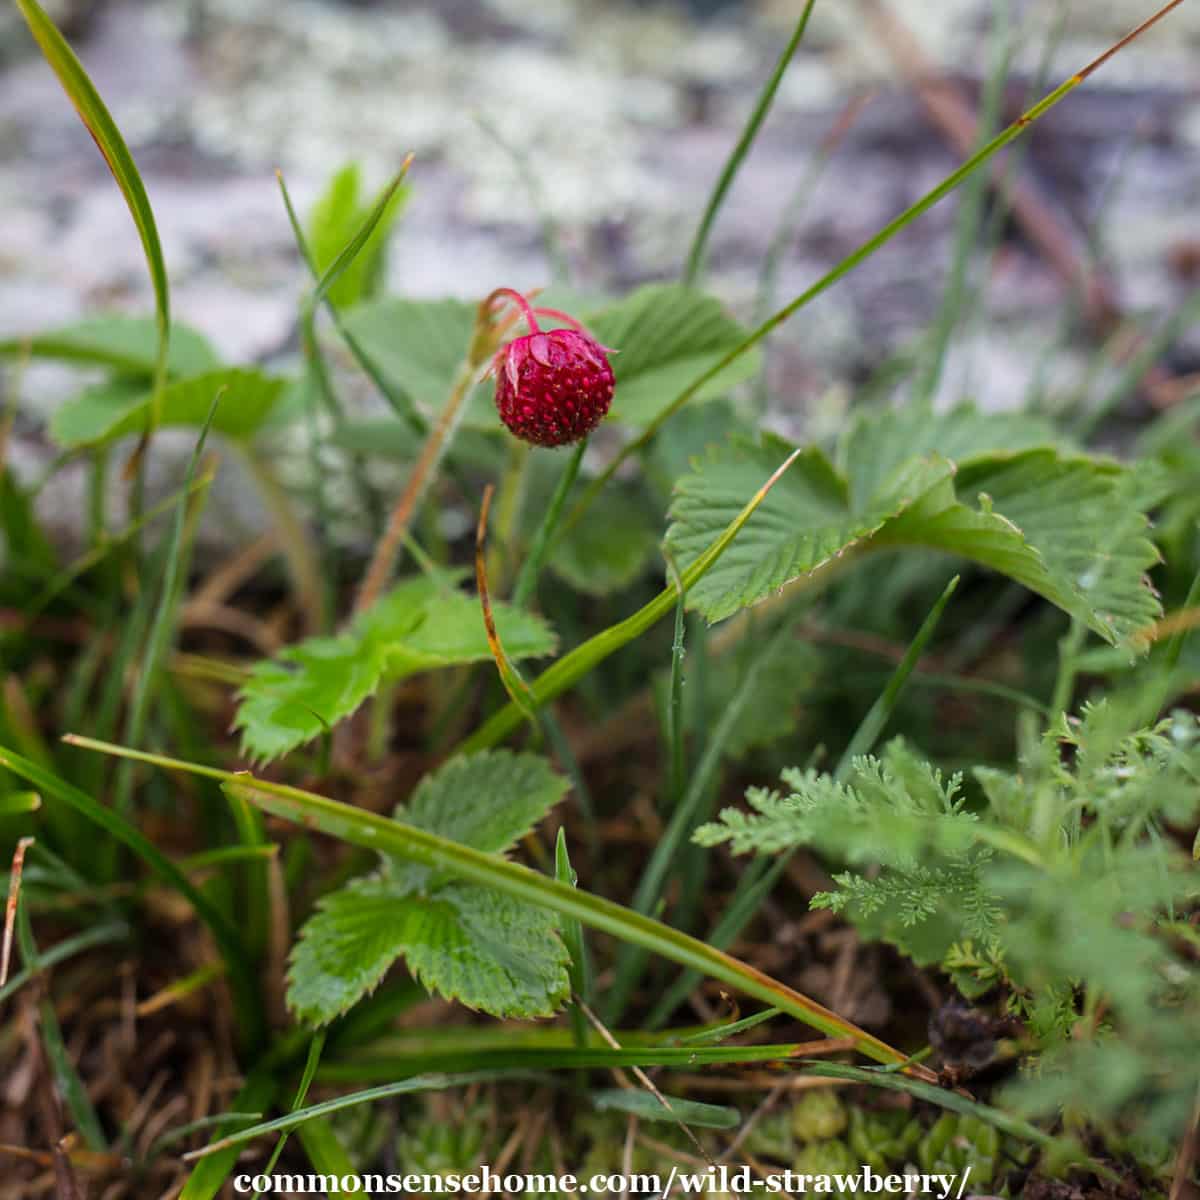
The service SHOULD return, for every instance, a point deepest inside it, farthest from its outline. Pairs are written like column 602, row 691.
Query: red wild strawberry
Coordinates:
column 552, row 387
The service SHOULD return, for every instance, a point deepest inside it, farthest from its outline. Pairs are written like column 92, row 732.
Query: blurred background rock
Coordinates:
column 623, row 113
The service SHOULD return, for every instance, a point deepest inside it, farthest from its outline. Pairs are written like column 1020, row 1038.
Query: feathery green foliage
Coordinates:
column 1060, row 884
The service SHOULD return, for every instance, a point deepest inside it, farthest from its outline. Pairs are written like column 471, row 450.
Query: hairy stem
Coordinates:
column 399, row 522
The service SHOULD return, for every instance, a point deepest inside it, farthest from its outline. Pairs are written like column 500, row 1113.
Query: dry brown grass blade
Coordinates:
column 514, row 683
column 639, row 1074
column 10, row 908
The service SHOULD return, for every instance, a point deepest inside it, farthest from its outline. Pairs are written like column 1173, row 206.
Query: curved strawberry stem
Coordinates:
column 559, row 315
column 511, row 294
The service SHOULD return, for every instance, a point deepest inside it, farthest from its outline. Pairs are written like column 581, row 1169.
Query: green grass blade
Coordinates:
column 695, row 258
column 571, row 667
column 65, row 578
column 860, row 255
column 392, row 837
column 383, row 1063
column 676, row 739
column 162, row 630
column 400, row 403
column 873, row 724
column 313, row 1060
column 15, row 804
column 579, row 966
column 249, row 824
column 647, row 1106
column 99, row 123
column 423, row 1083
column 181, row 1132
column 722, row 1032
column 572, row 931
column 951, row 1101
column 326, row 1154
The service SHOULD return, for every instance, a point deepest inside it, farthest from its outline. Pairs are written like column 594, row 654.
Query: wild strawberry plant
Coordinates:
column 1051, row 888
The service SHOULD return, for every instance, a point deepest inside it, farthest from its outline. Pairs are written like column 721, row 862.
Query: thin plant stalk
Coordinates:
column 400, row 520
column 528, row 575
column 695, row 258
column 294, row 541
column 542, row 719
column 970, row 219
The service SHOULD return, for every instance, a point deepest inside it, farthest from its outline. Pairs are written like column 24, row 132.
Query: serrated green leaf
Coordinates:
column 1087, row 519
column 879, row 443
column 1066, row 528
column 126, row 344
column 666, row 335
column 489, row 951
column 345, row 948
column 803, row 524
column 487, row 800
column 424, row 623
column 119, row 407
column 649, row 1107
column 1070, row 528
column 304, row 691
column 467, row 943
